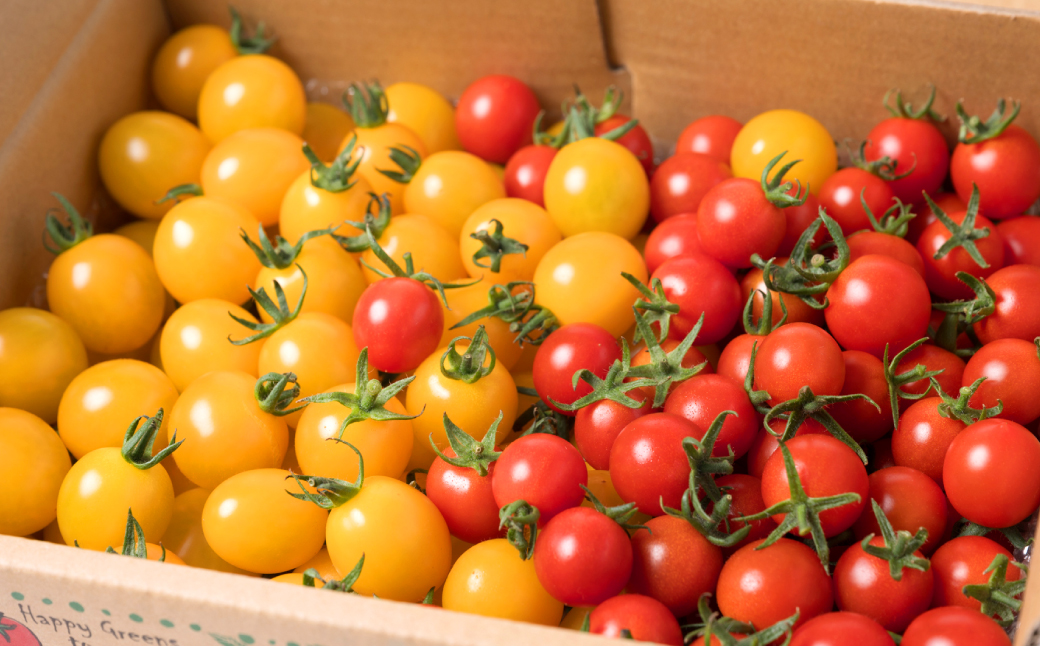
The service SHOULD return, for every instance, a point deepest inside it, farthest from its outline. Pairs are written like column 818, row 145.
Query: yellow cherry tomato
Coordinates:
column 195, row 341
column 466, row 300
column 404, row 539
column 145, row 154
column 184, row 535
column 802, row 137
column 327, row 126
column 334, row 281
column 255, row 91
column 107, row 288
column 373, row 145
column 40, row 354
column 35, row 463
column 254, row 169
column 473, row 407
column 321, row 562
column 491, row 579
column 51, row 533
column 199, row 251
column 180, row 482
column 183, row 63
column 157, row 553
column 317, row 347
column 449, row 186
column 225, row 429
column 252, row 522
column 293, row 578
column 426, row 112
column 523, row 221
column 307, row 207
column 143, row 233
column 580, row 280
column 597, row 185
column 386, row 446
column 104, row 399
column 433, row 249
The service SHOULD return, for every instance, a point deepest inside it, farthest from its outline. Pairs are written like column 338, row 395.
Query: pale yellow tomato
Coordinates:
column 426, row 112
column 334, row 280
column 523, row 221
column 35, row 464
column 255, row 91
column 433, row 249
column 449, row 186
column 327, row 126
column 183, row 63
column 195, row 341
column 796, row 133
column 184, row 535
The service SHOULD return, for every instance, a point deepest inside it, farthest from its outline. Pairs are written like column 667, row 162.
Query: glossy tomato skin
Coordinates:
column 681, row 182
column 932, row 357
column 735, row 358
column 699, row 284
column 1006, row 170
column 956, row 627
column 1021, row 240
column 833, row 628
column 194, row 341
column 495, row 117
column 1017, row 314
column 797, row 355
column 798, row 311
column 567, row 350
column 746, row 492
column 712, row 135
column 864, row 374
column 840, row 196
column 451, row 185
column 256, row 91
column 874, row 242
column 923, row 437
column 645, row 618
column 702, row 398
column 735, row 220
column 583, row 557
column 674, row 564
column 941, row 274
column 962, row 561
column 544, row 470
column 992, row 473
column 796, row 133
column 799, row 218
column 877, row 302
column 636, row 140
column 910, row 500
column 37, row 464
column 521, row 220
column 1012, row 371
column 526, row 170
column 750, row 578
column 766, row 444
column 676, row 236
column 184, row 61
column 864, row 584
column 465, row 499
column 648, row 465
column 425, row 112
column 597, row 425
column 912, row 144
column 399, row 320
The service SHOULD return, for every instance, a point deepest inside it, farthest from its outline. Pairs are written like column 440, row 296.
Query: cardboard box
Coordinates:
column 70, row 69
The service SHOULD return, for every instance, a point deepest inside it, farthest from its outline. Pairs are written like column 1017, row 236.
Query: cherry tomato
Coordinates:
column 373, row 144
column 1006, row 170
column 255, row 91
column 194, row 341
column 465, row 499
column 863, row 584
column 495, row 117
column 183, row 62
column 597, row 425
column 682, row 181
column 910, row 500
column 648, row 465
column 636, row 140
column 735, row 358
column 674, row 564
column 425, row 112
column 335, row 281
column 569, row 349
column 923, row 437
column 776, row 131
column 522, row 221
column 491, row 579
column 306, row 207
column 956, row 627
column 583, row 557
column 765, row 444
column 433, row 249
column 580, row 281
column 526, row 170
column 797, row 355
column 1017, row 314
column 325, row 128
column 948, row 202
column 915, row 145
column 145, row 154
column 864, row 375
column 236, row 521
column 735, row 220
column 703, row 397
column 544, row 470
column 40, row 354
column 872, row 242
column 746, row 493
column 184, row 537
column 37, row 463
column 712, row 135
column 1021, row 240
column 698, row 284
column 645, row 618
column 799, row 218
column 797, row 309
column 841, row 196
column 449, row 186
column 676, row 236
column 1012, row 371
column 321, row 562
column 962, row 561
column 464, row 301
column 941, row 274
column 932, row 357
column 393, row 310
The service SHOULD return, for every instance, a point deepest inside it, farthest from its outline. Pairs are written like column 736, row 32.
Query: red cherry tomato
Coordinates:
column 674, row 564
column 872, row 242
column 525, row 173
column 941, row 274
column 646, row 619
column 636, row 140
column 567, row 350
column 597, row 425
column 1021, row 240
column 735, row 220
column 834, row 629
column 910, row 500
column 676, row 236
column 797, row 309
column 400, row 321
column 798, row 220
column 923, row 437
column 582, row 557
column 699, row 285
column 1006, row 170
column 932, row 357
column 948, row 202
column 712, row 136
column 954, row 627
column 962, row 561
column 766, row 444
column 840, row 196
column 682, row 181
column 542, row 469
column 863, row 584
column 865, row 375
column 746, row 493
column 648, row 465
column 702, row 398
column 798, row 355
column 915, row 145
column 1017, row 314
column 465, row 499
column 495, row 117
column 1012, row 371
column 735, row 358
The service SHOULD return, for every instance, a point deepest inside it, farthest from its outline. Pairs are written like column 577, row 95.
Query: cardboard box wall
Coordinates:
column 70, row 68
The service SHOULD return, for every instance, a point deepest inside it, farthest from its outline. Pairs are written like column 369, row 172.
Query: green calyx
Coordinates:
column 468, row 367
column 974, row 310
column 903, row 110
column 895, row 221
column 495, row 246
column 704, row 467
column 801, row 512
column 582, row 118
column 514, row 304
column 258, row 43
column 964, row 234
column 469, row 453
column 139, row 438
column 730, row 632
column 377, row 219
column 275, row 392
column 883, row 167
column 542, row 418
column 133, row 540
column 337, row 176
column 279, row 312
column 960, row 408
column 765, row 322
column 368, row 401
column 177, row 193
column 312, row 579
column 999, row 596
column 520, row 520
column 899, row 546
column 279, row 254
column 665, row 369
column 620, row 514
column 654, row 305
column 810, row 406
column 408, row 161
column 366, row 103
column 759, row 398
column 330, row 492
column 808, row 273
column 776, row 189
column 974, row 130
column 1017, row 535
column 714, row 526
column 615, row 386
column 65, row 236
column 897, row 381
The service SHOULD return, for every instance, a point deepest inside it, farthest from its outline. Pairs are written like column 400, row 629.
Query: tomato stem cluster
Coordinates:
column 903, row 109
column 807, row 272
column 520, row 520
column 280, row 254
column 514, row 304
column 134, row 544
column 964, row 234
column 468, row 367
column 272, row 396
column 730, row 632
column 366, row 103
column 895, row 221
column 495, row 245
column 974, row 130
column 179, row 191
column 279, row 312
column 258, row 43
column 311, row 577
column 65, row 236
column 336, row 177
column 899, row 546
column 407, row 159
column 330, row 492
column 897, row 381
column 139, row 439
column 997, row 594
column 469, row 453
column 811, row 406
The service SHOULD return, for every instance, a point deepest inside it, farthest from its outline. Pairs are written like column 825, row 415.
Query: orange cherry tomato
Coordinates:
column 334, row 281
column 183, row 63
column 195, row 341
column 523, row 221
column 449, row 186
column 464, row 301
column 776, row 131
column 255, row 91
column 184, row 536
column 374, row 146
column 327, row 127
column 426, row 112
column 307, row 207
column 143, row 233
column 433, row 249
column 35, row 463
